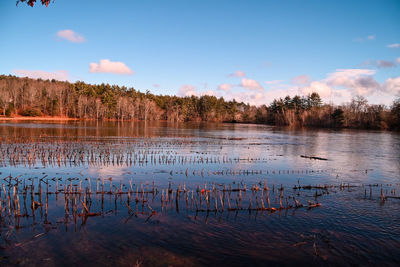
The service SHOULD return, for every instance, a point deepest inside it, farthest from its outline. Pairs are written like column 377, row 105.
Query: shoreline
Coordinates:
column 66, row 119
column 22, row 118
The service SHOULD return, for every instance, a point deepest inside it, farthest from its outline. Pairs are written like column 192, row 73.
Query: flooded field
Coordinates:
column 159, row 194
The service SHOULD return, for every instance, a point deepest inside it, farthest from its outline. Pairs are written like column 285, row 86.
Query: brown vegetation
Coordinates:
column 41, row 98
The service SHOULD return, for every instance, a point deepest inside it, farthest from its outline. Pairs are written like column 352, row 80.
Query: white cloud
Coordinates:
column 398, row 60
column 209, row 92
column 350, row 73
column 318, row 87
column 107, row 66
column 225, row 87
column 385, row 64
column 187, row 90
column 393, row 45
column 238, row 73
column 246, row 97
column 338, row 87
column 343, row 84
column 359, row 81
column 363, row 39
column 71, row 36
column 273, row 82
column 340, row 96
column 261, row 97
column 379, row 63
column 61, row 75
column 251, row 84
column 301, row 79
column 392, row 86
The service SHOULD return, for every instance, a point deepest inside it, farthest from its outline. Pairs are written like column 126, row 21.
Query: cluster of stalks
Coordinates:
column 220, row 197
column 83, row 198
column 68, row 153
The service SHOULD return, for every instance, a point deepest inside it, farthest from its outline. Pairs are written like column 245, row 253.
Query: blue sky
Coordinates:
column 249, row 50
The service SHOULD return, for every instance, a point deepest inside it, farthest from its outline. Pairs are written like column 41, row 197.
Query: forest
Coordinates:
column 37, row 97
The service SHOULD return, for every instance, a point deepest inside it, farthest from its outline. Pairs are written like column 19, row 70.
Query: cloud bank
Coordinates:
column 338, row 86
column 60, row 75
column 107, row 66
column 189, row 90
column 380, row 63
column 301, row 79
column 251, row 84
column 238, row 73
column 225, row 87
column 273, row 82
column 71, row 36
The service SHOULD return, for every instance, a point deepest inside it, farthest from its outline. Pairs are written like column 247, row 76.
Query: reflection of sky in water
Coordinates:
column 353, row 156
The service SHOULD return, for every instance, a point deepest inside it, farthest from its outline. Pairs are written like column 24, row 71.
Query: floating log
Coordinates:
column 312, row 157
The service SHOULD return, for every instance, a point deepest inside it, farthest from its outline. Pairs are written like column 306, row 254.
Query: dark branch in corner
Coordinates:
column 32, row 2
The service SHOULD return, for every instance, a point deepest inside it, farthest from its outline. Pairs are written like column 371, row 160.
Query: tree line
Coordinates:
column 37, row 97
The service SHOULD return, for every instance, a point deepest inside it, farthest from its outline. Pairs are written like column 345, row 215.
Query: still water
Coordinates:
column 160, row 194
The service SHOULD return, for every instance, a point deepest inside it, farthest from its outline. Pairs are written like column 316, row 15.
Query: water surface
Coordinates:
column 133, row 225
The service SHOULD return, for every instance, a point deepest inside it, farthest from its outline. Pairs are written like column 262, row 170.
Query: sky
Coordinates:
column 251, row 51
